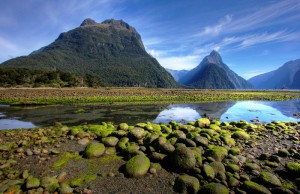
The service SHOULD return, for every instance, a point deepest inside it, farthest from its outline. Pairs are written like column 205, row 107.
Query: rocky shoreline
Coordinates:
column 205, row 156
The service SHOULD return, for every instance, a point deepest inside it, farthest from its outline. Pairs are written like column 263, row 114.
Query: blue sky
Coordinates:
column 253, row 36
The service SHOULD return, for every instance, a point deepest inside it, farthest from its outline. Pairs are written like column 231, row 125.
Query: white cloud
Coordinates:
column 180, row 62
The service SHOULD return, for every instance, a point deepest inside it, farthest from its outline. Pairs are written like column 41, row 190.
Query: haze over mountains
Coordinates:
column 285, row 77
column 112, row 51
column 212, row 73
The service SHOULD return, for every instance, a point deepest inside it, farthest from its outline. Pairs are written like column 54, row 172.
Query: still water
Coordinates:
column 28, row 117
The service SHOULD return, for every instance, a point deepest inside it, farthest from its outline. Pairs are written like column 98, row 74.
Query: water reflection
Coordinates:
column 262, row 111
column 27, row 117
column 180, row 114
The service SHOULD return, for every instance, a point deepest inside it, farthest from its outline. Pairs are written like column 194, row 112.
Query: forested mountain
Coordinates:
column 212, row 73
column 287, row 76
column 112, row 51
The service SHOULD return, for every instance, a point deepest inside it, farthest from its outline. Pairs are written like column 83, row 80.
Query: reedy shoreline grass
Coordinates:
column 51, row 96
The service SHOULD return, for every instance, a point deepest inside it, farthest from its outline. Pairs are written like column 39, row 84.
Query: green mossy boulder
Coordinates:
column 252, row 166
column 232, row 168
column 208, row 171
column 94, row 150
column 293, row 167
column 110, row 141
column 187, row 184
column 240, row 135
column 137, row 133
column 201, row 141
column 123, row 126
column 167, row 148
column 234, row 151
column 256, row 188
column 65, row 188
column 214, row 188
column 137, row 166
column 269, row 179
column 283, row 153
column 183, row 159
column 216, row 152
column 50, row 184
column 203, row 122
column 32, row 183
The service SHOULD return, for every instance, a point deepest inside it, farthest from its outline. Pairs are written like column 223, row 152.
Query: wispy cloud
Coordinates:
column 263, row 17
column 215, row 30
column 9, row 49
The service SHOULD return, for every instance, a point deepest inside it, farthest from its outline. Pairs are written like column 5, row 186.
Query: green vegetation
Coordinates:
column 112, row 52
column 133, row 95
column 23, row 77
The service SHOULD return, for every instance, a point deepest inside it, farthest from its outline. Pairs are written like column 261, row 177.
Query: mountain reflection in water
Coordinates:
column 28, row 117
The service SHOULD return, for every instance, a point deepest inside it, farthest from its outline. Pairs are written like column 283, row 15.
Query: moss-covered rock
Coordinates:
column 232, row 168
column 167, row 148
column 269, row 179
column 283, row 153
column 252, row 166
column 50, row 184
column 201, row 141
column 137, row 133
column 94, row 150
column 208, row 171
column 293, row 167
column 110, row 141
column 203, row 122
column 253, row 187
column 123, row 126
column 214, row 188
column 234, row 151
column 65, row 188
column 32, row 183
column 216, row 152
column 183, row 159
column 137, row 166
column 240, row 135
column 187, row 184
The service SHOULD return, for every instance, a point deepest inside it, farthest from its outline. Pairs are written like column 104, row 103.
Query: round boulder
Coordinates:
column 94, row 150
column 183, row 159
column 214, row 188
column 187, row 184
column 137, row 166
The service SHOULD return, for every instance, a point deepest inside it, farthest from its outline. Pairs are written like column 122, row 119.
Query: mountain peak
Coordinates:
column 88, row 22
column 214, row 57
column 117, row 23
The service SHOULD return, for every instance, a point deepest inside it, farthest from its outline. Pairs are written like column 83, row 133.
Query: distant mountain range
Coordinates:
column 285, row 77
column 112, row 51
column 211, row 73
column 177, row 74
